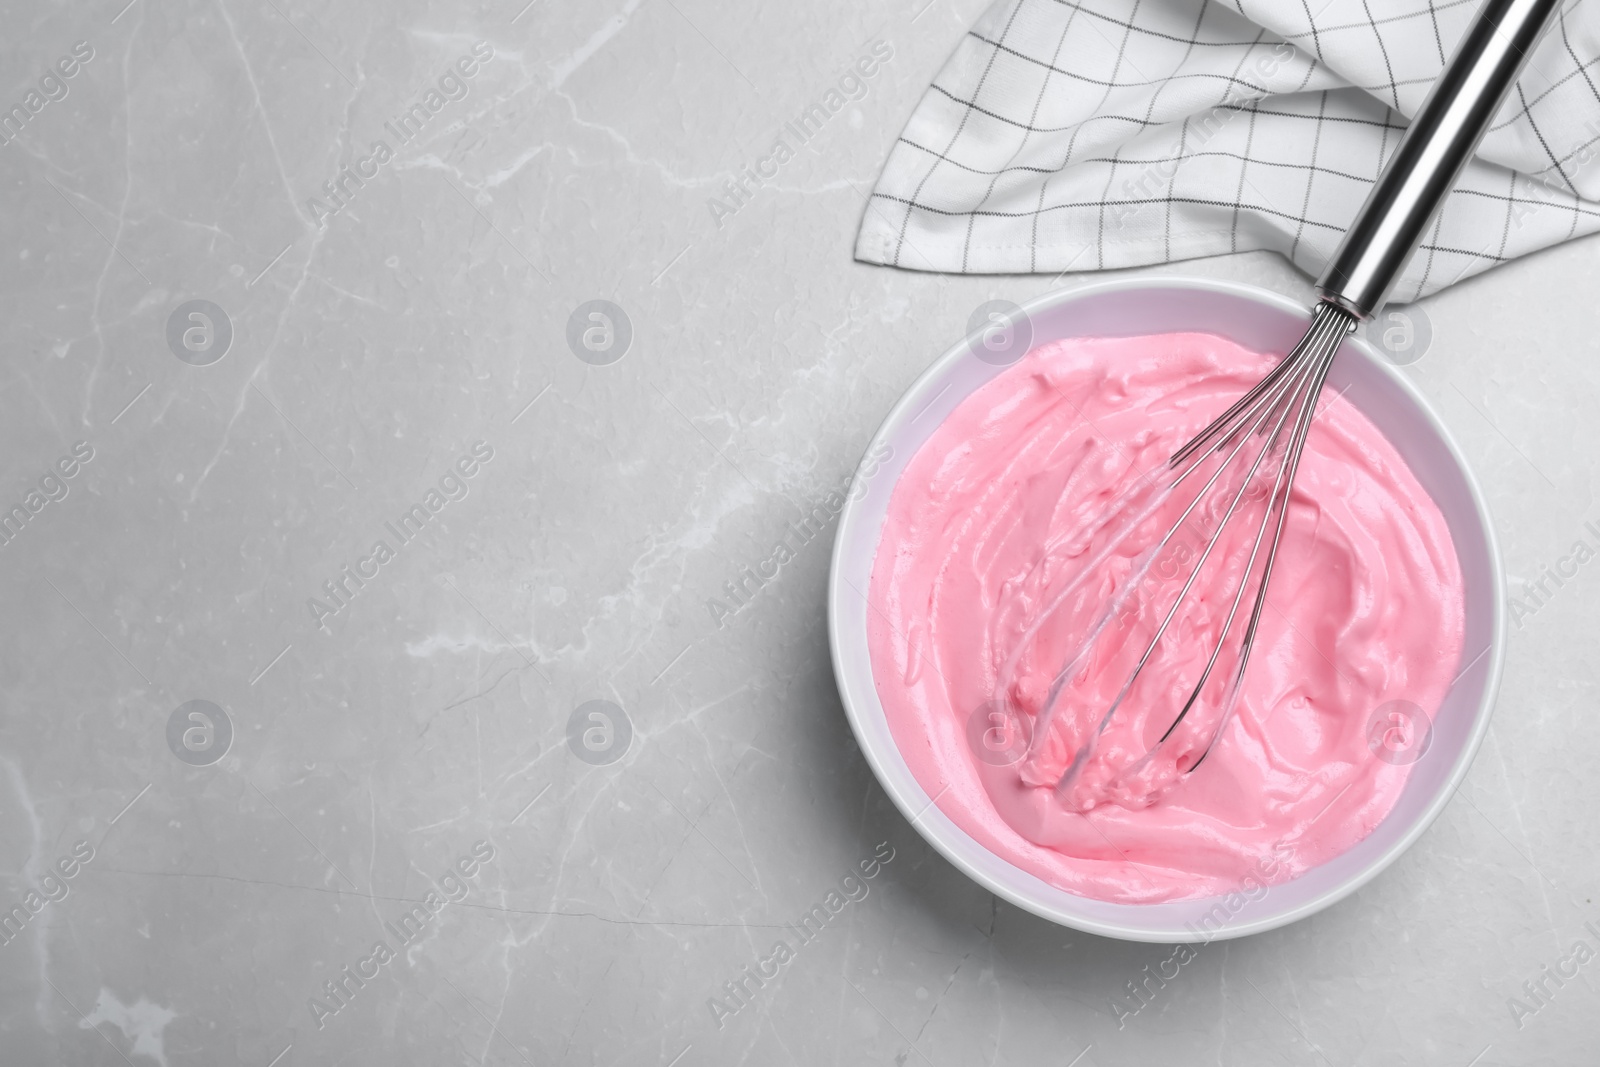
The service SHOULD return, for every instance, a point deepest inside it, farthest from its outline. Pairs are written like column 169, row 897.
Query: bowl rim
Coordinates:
column 914, row 807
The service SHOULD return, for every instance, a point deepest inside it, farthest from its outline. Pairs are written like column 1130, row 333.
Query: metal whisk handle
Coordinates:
column 1435, row 147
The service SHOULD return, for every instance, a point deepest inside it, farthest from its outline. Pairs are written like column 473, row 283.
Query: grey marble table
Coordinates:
column 332, row 510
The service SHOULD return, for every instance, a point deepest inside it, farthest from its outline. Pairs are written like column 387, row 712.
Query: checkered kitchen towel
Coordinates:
column 1093, row 134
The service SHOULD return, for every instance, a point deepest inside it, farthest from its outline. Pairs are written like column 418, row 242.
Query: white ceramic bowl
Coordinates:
column 1264, row 322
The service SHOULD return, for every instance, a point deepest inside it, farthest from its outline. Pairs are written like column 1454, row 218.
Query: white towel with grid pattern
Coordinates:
column 1072, row 135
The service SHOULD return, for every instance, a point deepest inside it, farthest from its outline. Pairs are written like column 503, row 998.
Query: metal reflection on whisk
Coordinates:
column 1277, row 413
column 1283, row 402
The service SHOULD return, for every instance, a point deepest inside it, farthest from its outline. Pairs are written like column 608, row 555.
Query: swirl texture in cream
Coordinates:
column 1365, row 610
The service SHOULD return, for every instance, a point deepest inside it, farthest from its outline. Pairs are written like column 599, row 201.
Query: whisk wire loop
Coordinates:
column 1279, row 409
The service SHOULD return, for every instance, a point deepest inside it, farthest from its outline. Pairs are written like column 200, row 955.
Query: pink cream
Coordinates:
column 1365, row 608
